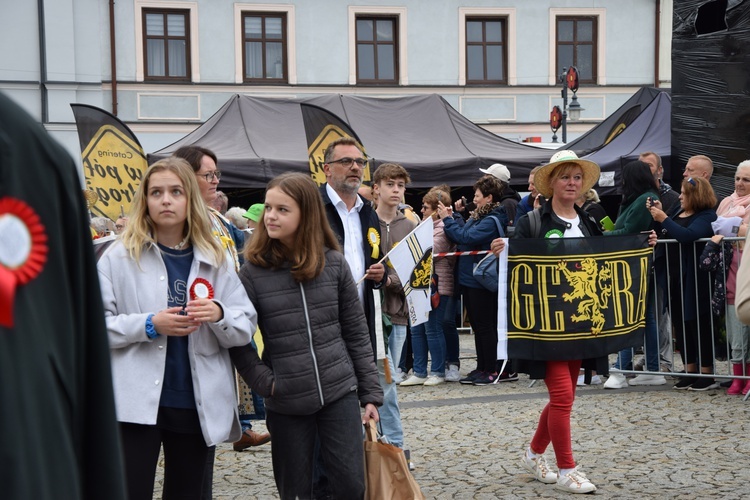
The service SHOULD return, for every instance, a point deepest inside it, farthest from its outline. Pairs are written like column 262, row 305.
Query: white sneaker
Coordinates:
column 398, row 376
column 575, row 482
column 538, row 466
column 452, row 374
column 413, row 380
column 595, row 380
column 616, row 381
column 434, row 380
column 648, row 380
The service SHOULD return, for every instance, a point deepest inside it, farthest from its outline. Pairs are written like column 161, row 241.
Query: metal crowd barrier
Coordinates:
column 669, row 357
column 670, row 361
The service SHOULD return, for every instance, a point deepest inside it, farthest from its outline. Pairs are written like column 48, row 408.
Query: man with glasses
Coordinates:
column 204, row 163
column 120, row 224
column 358, row 230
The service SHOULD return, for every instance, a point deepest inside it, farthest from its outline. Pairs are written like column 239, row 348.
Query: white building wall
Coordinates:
column 78, row 60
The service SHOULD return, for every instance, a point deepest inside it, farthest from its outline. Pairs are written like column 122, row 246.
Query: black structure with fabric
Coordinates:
column 58, row 432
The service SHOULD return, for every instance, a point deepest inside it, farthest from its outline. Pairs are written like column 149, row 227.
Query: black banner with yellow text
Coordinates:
column 573, row 298
column 113, row 160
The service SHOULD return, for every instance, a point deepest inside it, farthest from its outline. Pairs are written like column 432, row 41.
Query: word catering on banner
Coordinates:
column 573, row 298
column 113, row 159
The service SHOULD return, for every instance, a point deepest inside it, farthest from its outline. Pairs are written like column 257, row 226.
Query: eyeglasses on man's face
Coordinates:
column 347, row 162
column 209, row 176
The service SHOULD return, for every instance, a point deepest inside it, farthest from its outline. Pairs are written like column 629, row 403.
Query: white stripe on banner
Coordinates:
column 379, row 341
column 405, row 257
column 502, row 303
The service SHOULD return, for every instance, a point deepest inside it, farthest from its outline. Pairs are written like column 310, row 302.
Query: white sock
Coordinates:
column 531, row 454
column 565, row 472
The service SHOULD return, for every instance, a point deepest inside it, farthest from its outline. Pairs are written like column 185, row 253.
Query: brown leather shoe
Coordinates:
column 251, row 438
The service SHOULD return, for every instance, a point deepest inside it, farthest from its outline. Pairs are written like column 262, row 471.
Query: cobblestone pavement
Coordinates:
column 466, row 443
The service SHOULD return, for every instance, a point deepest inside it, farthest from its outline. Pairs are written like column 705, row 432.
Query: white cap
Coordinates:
column 498, row 170
column 726, row 226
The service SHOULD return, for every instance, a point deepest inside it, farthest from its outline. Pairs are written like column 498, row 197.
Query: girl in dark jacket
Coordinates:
column 477, row 233
column 318, row 366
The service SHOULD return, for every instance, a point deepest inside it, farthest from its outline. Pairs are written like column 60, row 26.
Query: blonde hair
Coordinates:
column 141, row 230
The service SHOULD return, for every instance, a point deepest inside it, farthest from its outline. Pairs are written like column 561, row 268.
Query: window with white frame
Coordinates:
column 576, row 44
column 166, row 44
column 265, row 51
column 377, row 45
column 264, row 47
column 377, row 49
column 578, row 37
column 486, row 45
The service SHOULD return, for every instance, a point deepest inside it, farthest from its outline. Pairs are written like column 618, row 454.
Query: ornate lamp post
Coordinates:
column 559, row 117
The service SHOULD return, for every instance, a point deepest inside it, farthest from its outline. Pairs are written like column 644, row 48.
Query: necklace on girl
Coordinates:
column 181, row 244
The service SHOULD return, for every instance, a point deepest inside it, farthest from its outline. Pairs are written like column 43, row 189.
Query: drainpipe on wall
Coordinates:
column 112, row 55
column 657, row 22
column 42, row 62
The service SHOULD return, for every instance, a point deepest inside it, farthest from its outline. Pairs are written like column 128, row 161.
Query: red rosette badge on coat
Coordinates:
column 201, row 289
column 23, row 251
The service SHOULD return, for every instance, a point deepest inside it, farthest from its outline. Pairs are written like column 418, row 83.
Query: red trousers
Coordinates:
column 554, row 422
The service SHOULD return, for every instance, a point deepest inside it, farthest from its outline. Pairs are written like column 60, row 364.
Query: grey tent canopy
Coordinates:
column 648, row 131
column 256, row 139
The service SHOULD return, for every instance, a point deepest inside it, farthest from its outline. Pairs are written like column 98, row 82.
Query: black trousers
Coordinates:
column 184, row 461
column 338, row 426
column 481, row 306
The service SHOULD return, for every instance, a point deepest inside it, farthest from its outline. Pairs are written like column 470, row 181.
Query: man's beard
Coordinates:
column 348, row 187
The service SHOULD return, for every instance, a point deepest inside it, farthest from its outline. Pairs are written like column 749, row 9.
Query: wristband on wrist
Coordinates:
column 150, row 329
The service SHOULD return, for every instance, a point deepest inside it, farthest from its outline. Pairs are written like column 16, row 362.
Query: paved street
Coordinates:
column 632, row 443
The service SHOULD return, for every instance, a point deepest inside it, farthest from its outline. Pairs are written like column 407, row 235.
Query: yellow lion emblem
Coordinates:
column 420, row 276
column 592, row 286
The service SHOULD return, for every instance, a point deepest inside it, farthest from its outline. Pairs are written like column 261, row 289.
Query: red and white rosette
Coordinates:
column 23, row 251
column 201, row 289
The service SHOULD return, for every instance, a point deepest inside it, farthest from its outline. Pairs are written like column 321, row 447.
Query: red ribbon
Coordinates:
column 16, row 215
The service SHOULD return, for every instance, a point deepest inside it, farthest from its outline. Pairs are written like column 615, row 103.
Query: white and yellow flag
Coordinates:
column 411, row 258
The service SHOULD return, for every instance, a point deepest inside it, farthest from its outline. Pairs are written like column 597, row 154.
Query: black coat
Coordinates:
column 369, row 220
column 311, row 364
column 58, row 430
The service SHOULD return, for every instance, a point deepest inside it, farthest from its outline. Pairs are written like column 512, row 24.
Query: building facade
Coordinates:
column 165, row 66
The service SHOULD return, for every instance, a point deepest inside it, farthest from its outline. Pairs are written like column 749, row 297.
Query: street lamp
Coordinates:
column 559, row 117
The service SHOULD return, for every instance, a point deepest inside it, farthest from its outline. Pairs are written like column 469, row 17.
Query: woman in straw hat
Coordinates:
column 561, row 181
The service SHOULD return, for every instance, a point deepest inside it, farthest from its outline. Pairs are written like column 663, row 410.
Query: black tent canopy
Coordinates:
column 256, row 139
column 649, row 131
column 615, row 123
